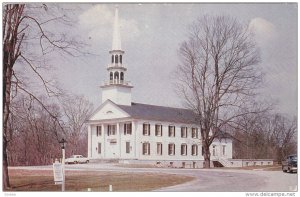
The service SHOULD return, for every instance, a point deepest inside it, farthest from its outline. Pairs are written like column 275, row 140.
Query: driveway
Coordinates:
column 216, row 180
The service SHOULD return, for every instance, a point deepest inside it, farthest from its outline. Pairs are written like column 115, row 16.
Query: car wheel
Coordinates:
column 75, row 162
column 283, row 169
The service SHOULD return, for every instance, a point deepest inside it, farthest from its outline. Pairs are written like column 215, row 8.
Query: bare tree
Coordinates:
column 265, row 135
column 34, row 140
column 76, row 110
column 283, row 135
column 27, row 42
column 218, row 74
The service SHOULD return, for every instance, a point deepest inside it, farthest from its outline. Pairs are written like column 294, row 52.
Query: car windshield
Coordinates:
column 294, row 157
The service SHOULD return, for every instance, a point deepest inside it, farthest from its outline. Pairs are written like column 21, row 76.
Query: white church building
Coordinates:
column 141, row 133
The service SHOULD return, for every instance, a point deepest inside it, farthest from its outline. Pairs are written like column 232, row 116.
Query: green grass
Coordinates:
column 26, row 180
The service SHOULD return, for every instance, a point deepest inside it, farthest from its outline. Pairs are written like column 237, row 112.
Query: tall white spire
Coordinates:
column 117, row 88
column 116, row 43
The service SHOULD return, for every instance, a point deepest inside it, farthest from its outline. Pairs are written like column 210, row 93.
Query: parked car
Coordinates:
column 77, row 159
column 290, row 164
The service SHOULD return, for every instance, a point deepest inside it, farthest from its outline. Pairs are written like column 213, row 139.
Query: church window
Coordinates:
column 121, row 59
column 194, row 149
column 127, row 129
column 111, row 130
column 98, row 129
column 112, row 59
column 183, row 132
column 116, row 59
column 159, row 148
column 146, row 129
column 122, row 76
column 171, row 131
column 183, row 149
column 146, row 148
column 194, row 133
column 224, row 149
column 158, row 130
column 171, row 149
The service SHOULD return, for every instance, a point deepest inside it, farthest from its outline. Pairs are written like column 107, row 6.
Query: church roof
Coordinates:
column 160, row 113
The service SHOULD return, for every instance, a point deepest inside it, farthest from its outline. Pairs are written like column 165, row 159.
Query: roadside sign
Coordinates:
column 58, row 173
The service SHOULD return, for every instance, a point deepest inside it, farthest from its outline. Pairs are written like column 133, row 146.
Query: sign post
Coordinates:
column 63, row 143
column 63, row 170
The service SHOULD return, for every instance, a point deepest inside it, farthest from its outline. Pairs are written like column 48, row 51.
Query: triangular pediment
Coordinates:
column 108, row 110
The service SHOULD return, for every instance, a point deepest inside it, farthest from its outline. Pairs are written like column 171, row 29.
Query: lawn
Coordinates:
column 42, row 180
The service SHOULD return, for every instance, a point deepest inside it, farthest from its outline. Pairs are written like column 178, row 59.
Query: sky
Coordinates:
column 151, row 35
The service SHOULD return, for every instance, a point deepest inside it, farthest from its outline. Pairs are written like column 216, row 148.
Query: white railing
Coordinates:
column 117, row 82
column 112, row 65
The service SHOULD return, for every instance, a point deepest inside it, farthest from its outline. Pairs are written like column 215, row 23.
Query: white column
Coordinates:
column 119, row 135
column 89, row 141
column 104, row 139
column 134, row 142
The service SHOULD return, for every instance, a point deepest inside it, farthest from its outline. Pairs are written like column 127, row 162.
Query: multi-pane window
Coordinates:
column 98, row 131
column 194, row 149
column 159, row 148
column 183, row 132
column 146, row 129
column 127, row 147
column 111, row 129
column 171, row 149
column 99, row 148
column 158, row 130
column 194, row 133
column 183, row 149
column 171, row 131
column 127, row 129
column 146, row 148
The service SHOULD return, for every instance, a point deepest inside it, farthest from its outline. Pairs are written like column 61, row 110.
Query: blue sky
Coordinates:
column 151, row 35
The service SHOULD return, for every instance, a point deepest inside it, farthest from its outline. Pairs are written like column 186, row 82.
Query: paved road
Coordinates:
column 217, row 180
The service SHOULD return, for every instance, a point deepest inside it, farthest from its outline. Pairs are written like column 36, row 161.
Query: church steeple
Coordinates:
column 117, row 88
column 116, row 43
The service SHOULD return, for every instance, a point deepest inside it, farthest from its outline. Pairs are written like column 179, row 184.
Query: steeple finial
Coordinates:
column 116, row 43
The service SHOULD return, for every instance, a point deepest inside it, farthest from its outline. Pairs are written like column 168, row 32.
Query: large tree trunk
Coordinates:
column 206, row 155
column 5, row 177
column 6, row 113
